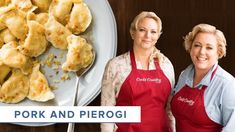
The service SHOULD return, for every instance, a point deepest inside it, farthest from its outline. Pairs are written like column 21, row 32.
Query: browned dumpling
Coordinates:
column 15, row 20
column 43, row 5
column 22, row 4
column 15, row 89
column 39, row 89
column 10, row 56
column 56, row 33
column 6, row 9
column 40, row 18
column 35, row 43
column 79, row 54
column 3, row 10
column 4, row 2
column 80, row 18
column 4, row 70
column 60, row 9
column 6, row 36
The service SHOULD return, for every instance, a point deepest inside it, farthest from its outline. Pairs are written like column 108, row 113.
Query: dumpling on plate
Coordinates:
column 4, row 70
column 39, row 89
column 79, row 54
column 10, row 56
column 56, row 33
column 15, row 20
column 80, row 18
column 22, row 4
column 3, row 10
column 43, row 5
column 35, row 43
column 6, row 36
column 7, row 8
column 4, row 2
column 40, row 18
column 15, row 89
column 61, row 9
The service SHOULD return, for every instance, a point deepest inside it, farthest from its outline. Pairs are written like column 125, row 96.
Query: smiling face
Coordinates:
column 204, row 51
column 146, row 34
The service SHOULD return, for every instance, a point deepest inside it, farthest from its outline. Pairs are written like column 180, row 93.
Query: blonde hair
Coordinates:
column 206, row 28
column 145, row 14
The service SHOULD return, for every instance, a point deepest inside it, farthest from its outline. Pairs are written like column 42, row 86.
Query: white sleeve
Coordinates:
column 168, row 70
column 108, row 95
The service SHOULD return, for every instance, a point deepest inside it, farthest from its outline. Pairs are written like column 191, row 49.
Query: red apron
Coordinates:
column 150, row 90
column 189, row 111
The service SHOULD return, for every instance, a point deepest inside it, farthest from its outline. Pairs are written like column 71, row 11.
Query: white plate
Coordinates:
column 102, row 35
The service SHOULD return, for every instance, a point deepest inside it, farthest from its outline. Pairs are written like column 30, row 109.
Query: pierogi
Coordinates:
column 39, row 89
column 35, row 43
column 79, row 55
column 15, row 89
column 27, row 29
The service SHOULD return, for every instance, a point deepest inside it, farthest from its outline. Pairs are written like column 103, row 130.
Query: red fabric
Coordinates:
column 150, row 90
column 189, row 110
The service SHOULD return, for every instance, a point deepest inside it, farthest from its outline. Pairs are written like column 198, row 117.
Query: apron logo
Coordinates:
column 186, row 100
column 156, row 80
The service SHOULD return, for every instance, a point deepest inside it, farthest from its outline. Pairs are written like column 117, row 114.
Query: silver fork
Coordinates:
column 79, row 74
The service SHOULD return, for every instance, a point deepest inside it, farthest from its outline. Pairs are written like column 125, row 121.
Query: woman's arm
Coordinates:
column 170, row 115
column 228, row 107
column 108, row 95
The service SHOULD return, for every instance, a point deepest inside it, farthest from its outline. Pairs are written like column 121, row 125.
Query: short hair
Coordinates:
column 206, row 28
column 146, row 14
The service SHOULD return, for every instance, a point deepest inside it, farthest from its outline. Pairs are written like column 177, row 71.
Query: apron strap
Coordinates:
column 133, row 62
column 157, row 65
column 212, row 75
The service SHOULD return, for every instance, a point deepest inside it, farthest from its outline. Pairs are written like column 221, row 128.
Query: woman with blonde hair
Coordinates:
column 141, row 77
column 204, row 99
